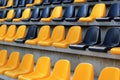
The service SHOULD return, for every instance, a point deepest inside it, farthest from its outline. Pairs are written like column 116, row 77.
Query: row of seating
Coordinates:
column 13, row 68
column 28, row 3
column 73, row 40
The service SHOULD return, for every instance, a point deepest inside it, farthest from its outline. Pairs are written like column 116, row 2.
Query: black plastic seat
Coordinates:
column 112, row 39
column 28, row 1
column 67, row 1
column 15, row 4
column 3, row 3
column 31, row 34
column 56, row 1
column 114, row 11
column 21, row 3
column 18, row 14
column 68, row 13
column 46, row 2
column 92, row 37
column 45, row 12
column 3, row 14
column 83, row 11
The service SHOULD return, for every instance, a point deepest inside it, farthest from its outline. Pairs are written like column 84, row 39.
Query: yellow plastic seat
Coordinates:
column 25, row 15
column 44, row 34
column 42, row 70
column 10, row 32
column 3, row 30
column 12, row 63
column 9, row 4
column 74, row 36
column 79, row 1
column 110, row 73
column 56, row 13
column 99, row 11
column 10, row 15
column 3, row 57
column 115, row 50
column 25, row 67
column 57, row 35
column 21, row 32
column 84, row 71
column 36, row 2
column 61, row 71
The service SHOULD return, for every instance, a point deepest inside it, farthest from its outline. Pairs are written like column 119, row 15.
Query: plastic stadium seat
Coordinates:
column 31, row 34
column 84, row 71
column 21, row 3
column 68, row 13
column 74, row 36
column 110, row 73
column 44, row 34
column 21, row 32
column 115, row 50
column 25, row 15
column 67, row 1
column 92, row 37
column 61, row 71
column 15, row 4
column 56, row 13
column 79, row 1
column 42, row 70
column 23, row 67
column 35, row 15
column 17, row 14
column 10, row 32
column 12, row 63
column 3, row 30
column 111, row 39
column 56, row 1
column 36, row 3
column 10, row 15
column 57, row 36
column 9, row 4
column 113, row 12
column 28, row 2
column 98, row 11
column 3, row 14
column 3, row 57
column 83, row 11
column 4, row 2
column 46, row 2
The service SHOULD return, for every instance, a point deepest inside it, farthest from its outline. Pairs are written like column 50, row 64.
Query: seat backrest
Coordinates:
column 26, row 13
column 18, row 13
column 3, row 29
column 10, row 2
column 112, row 37
column 79, row 1
column 3, row 57
column 114, row 10
column 58, row 33
column 10, row 14
column 14, row 59
column 83, row 11
column 84, row 71
column 69, row 12
column 32, row 32
column 46, row 12
column 44, row 32
column 57, row 12
column 15, row 4
column 110, row 73
column 98, row 11
column 3, row 14
column 29, row 59
column 22, row 2
column 43, row 66
column 21, row 32
column 4, row 3
column 35, row 13
column 38, row 1
column 28, row 1
column 11, row 31
column 92, row 35
column 74, row 35
column 61, row 70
